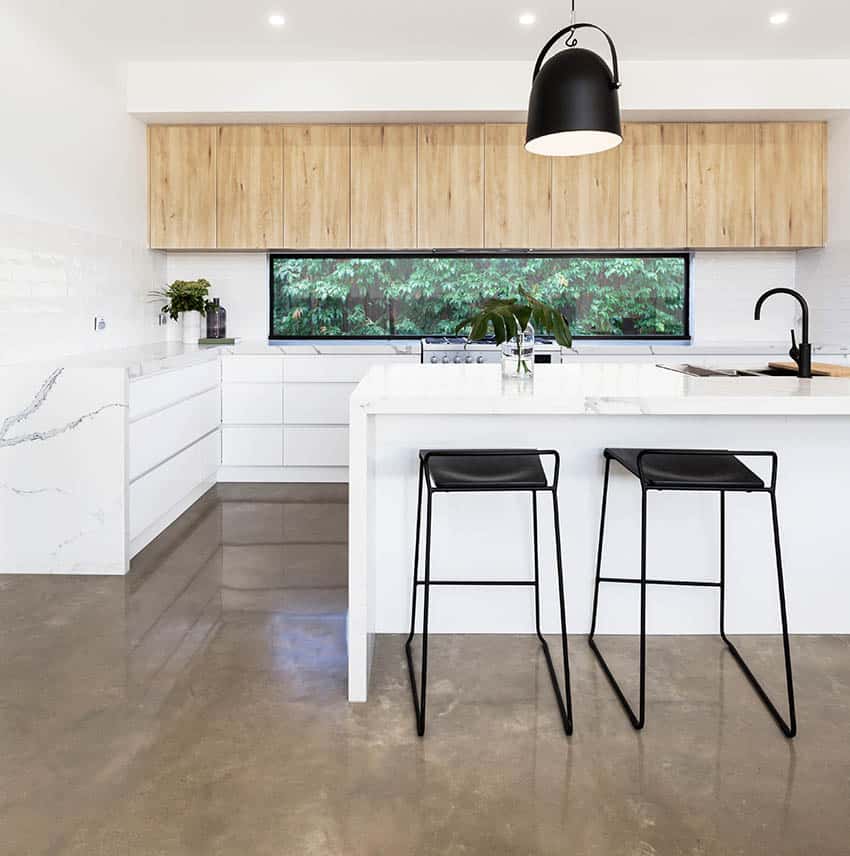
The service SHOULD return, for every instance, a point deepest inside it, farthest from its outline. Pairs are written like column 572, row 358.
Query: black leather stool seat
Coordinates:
column 721, row 470
column 498, row 468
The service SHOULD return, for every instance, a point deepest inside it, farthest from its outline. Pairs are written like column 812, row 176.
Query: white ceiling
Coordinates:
column 438, row 29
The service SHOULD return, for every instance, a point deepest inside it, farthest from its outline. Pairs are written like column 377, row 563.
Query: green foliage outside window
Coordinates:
column 628, row 296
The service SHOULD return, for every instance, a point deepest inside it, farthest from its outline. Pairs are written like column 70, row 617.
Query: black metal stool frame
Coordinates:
column 789, row 728
column 565, row 706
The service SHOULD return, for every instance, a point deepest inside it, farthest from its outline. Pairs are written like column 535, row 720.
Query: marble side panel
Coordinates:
column 62, row 470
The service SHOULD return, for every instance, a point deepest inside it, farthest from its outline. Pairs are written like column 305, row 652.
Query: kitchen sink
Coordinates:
column 705, row 371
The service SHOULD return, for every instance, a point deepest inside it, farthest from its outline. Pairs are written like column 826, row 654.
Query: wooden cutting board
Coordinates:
column 819, row 369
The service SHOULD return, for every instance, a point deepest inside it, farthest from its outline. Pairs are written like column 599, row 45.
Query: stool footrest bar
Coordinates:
column 476, row 582
column 708, row 583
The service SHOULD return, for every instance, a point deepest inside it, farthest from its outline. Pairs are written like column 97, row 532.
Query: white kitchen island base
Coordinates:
column 579, row 410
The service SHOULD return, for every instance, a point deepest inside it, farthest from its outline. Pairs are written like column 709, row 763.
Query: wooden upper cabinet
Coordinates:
column 721, row 196
column 451, row 186
column 181, row 186
column 586, row 201
column 653, row 186
column 517, row 191
column 383, row 186
column 790, row 185
column 316, row 187
column 249, row 208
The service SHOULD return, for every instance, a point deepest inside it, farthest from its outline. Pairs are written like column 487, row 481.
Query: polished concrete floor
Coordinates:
column 198, row 706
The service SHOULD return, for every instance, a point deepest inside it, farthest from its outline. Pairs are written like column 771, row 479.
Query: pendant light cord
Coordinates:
column 571, row 40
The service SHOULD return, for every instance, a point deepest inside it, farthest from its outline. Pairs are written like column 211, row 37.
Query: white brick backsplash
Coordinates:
column 54, row 280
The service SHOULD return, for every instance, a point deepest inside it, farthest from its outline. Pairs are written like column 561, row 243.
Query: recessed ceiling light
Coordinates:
column 527, row 19
column 778, row 18
column 277, row 20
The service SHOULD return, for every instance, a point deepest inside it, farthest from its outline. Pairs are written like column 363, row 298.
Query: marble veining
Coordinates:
column 62, row 469
column 33, row 406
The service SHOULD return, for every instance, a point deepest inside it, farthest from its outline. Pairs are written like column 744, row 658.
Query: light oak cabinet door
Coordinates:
column 586, row 201
column 249, row 194
column 653, row 194
column 721, row 194
column 316, row 187
column 790, row 185
column 451, row 186
column 517, row 191
column 383, row 186
column 181, row 186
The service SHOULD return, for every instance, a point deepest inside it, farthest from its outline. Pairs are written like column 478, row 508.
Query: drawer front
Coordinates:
column 149, row 394
column 266, row 368
column 252, row 403
column 157, row 437
column 341, row 369
column 316, row 403
column 252, row 446
column 155, row 493
column 315, row 446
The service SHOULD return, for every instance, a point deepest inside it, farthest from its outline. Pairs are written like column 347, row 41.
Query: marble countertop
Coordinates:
column 163, row 356
column 592, row 388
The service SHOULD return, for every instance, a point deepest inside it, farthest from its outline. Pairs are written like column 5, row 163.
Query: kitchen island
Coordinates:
column 579, row 410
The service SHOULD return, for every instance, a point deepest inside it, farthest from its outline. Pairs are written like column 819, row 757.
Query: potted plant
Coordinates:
column 189, row 299
column 511, row 321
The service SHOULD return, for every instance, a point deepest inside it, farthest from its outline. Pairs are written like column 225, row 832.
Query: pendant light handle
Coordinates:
column 569, row 30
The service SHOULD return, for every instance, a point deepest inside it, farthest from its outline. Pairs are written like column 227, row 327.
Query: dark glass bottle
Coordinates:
column 216, row 320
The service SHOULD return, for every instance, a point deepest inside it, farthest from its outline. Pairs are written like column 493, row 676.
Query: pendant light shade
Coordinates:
column 574, row 108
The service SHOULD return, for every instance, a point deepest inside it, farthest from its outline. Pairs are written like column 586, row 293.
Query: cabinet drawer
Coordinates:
column 155, row 438
column 252, row 403
column 341, row 369
column 316, row 403
column 252, row 445
column 154, row 494
column 315, row 446
column 266, row 368
column 149, row 394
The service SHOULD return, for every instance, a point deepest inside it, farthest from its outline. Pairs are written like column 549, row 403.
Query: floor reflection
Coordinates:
column 198, row 706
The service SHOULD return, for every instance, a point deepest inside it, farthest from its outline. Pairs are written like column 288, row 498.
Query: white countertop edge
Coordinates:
column 592, row 389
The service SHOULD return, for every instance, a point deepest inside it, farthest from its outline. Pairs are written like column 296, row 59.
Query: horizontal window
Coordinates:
column 376, row 295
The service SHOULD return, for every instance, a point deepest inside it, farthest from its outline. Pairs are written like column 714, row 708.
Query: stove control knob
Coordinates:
column 446, row 358
column 469, row 358
column 458, row 358
column 434, row 358
column 479, row 359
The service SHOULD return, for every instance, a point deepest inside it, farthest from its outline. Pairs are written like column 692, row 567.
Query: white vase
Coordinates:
column 191, row 327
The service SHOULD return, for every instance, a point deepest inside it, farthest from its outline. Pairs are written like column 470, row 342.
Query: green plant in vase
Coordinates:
column 510, row 319
column 183, row 296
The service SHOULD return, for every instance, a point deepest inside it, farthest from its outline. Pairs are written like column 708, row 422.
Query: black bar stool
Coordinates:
column 699, row 470
column 490, row 470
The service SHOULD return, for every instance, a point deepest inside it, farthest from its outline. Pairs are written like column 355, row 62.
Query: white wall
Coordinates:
column 824, row 275
column 726, row 286
column 253, row 91
column 72, row 202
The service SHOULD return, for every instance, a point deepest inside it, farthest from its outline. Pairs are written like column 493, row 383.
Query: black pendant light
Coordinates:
column 573, row 108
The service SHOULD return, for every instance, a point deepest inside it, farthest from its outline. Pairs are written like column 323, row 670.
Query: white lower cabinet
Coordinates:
column 252, row 445
column 155, row 438
column 315, row 445
column 252, row 403
column 160, row 496
column 287, row 417
column 316, row 403
column 174, row 446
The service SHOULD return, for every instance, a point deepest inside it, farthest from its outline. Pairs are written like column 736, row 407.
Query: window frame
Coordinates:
column 480, row 253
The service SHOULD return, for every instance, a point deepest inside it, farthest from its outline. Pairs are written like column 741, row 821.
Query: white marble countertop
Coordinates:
column 162, row 356
column 592, row 388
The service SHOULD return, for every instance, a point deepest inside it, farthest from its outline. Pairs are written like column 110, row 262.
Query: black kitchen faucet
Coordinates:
column 802, row 353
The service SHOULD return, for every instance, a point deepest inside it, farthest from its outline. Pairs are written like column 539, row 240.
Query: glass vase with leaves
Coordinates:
column 186, row 298
column 512, row 322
